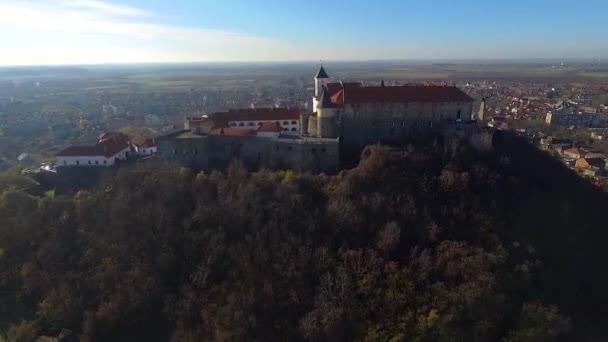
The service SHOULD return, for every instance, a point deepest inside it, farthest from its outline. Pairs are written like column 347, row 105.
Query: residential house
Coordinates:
column 110, row 148
column 591, row 166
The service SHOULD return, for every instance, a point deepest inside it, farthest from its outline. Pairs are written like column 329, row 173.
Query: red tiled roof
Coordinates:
column 408, row 93
column 106, row 148
column 271, row 127
column 258, row 114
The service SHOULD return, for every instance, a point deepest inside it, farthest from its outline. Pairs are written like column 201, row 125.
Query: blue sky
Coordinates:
column 95, row 31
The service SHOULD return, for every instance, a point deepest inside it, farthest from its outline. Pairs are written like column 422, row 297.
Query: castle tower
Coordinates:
column 321, row 80
column 482, row 109
column 326, row 116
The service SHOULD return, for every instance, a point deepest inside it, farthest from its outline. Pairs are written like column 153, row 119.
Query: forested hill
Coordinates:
column 421, row 244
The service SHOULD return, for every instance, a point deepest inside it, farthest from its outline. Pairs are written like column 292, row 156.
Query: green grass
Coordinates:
column 593, row 74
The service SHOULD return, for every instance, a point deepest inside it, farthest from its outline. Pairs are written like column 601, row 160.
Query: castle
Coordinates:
column 345, row 116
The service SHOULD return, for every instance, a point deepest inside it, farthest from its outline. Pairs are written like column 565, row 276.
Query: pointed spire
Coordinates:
column 382, row 83
column 321, row 73
column 325, row 101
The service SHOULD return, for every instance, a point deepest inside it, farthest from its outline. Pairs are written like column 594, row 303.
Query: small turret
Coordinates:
column 321, row 80
column 321, row 73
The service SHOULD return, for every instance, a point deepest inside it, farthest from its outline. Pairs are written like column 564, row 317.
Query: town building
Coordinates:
column 590, row 120
column 252, row 118
column 110, row 148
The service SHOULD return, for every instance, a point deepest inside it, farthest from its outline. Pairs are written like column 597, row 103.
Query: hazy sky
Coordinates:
column 92, row 31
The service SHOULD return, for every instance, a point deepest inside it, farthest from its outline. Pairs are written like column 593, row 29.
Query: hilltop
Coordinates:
column 413, row 244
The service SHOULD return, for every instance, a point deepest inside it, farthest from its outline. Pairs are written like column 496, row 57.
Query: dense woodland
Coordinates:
column 438, row 243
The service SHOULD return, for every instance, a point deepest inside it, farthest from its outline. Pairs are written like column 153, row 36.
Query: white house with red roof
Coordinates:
column 110, row 148
column 251, row 119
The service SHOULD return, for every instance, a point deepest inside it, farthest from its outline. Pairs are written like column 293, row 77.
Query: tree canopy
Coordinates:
column 440, row 243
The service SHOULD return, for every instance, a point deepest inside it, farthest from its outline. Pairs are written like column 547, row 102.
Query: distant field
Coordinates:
column 183, row 77
column 594, row 74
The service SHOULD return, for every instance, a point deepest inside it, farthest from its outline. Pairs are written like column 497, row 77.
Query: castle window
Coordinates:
column 294, row 129
column 323, row 150
column 241, row 124
column 458, row 114
column 97, row 162
column 402, row 124
column 391, row 124
column 105, row 162
column 285, row 122
column 285, row 129
column 232, row 124
column 77, row 162
column 250, row 124
column 294, row 122
column 89, row 162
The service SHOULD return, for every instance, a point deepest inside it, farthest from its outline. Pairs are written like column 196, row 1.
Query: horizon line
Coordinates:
column 467, row 59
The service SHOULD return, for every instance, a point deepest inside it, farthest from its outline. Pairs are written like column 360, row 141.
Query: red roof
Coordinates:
column 334, row 88
column 409, row 93
column 271, row 127
column 258, row 114
column 106, row 148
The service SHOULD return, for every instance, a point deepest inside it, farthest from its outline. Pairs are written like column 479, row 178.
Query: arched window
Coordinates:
column 294, row 129
column 458, row 114
column 77, row 162
column 241, row 124
column 285, row 129
column 97, row 162
column 285, row 122
column 250, row 124
column 89, row 162
column 232, row 124
column 294, row 122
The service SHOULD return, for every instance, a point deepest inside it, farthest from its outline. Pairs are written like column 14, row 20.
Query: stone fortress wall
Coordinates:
column 212, row 151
